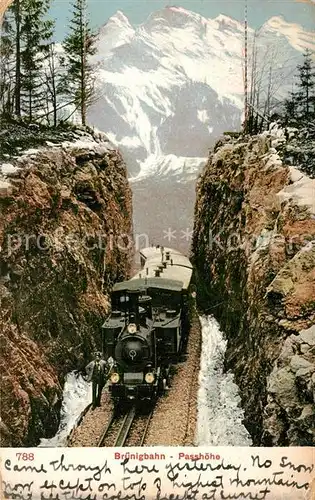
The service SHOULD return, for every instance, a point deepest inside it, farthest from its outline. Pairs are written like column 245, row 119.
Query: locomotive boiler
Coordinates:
column 148, row 326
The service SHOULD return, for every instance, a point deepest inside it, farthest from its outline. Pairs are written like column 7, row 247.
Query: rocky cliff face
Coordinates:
column 65, row 233
column 253, row 246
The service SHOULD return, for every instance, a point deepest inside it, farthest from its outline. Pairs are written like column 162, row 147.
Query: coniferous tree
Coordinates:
column 7, row 65
column 79, row 45
column 36, row 32
column 50, row 82
column 17, row 8
column 11, row 37
column 290, row 109
column 306, row 87
column 299, row 113
column 25, row 40
column 299, row 107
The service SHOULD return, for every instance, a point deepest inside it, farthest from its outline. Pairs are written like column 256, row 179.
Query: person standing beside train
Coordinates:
column 97, row 372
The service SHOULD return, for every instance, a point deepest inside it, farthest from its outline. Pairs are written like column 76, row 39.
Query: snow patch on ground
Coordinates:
column 220, row 416
column 77, row 394
column 4, row 186
column 302, row 189
column 31, row 151
column 8, row 169
column 88, row 144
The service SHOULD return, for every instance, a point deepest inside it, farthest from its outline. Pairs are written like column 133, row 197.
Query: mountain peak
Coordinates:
column 174, row 16
column 298, row 38
column 116, row 32
column 173, row 84
column 226, row 21
column 277, row 21
column 181, row 10
column 119, row 18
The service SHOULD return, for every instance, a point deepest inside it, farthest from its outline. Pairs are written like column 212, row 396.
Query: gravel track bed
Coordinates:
column 137, row 430
column 113, row 432
column 93, row 424
column 175, row 415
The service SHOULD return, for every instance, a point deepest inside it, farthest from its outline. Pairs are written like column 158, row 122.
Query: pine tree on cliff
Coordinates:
column 50, row 84
column 36, row 32
column 79, row 45
column 11, row 59
column 25, row 46
column 300, row 105
column 305, row 96
column 17, row 11
column 290, row 110
column 7, row 66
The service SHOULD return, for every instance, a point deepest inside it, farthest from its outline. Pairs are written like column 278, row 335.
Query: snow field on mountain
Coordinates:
column 170, row 87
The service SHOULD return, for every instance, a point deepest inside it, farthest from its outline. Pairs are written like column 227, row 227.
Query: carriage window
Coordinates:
column 124, row 298
column 162, row 298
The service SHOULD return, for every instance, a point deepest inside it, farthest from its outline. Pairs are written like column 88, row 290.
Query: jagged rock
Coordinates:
column 306, row 371
column 308, row 336
column 298, row 362
column 5, row 188
column 255, row 261
column 55, row 270
column 289, row 348
column 275, row 427
column 304, row 348
column 281, row 383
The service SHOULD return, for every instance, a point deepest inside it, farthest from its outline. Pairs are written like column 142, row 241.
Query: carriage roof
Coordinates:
column 178, row 266
column 149, row 252
column 145, row 283
column 175, row 276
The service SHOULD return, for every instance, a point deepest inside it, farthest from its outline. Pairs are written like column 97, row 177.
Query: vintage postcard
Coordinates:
column 157, row 249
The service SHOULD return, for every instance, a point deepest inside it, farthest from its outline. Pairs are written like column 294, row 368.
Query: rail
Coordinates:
column 125, row 427
column 128, row 429
column 106, row 430
column 146, row 428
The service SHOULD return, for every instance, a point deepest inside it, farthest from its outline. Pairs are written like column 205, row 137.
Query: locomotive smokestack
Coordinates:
column 134, row 305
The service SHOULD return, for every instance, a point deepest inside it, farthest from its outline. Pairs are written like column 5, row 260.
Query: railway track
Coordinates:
column 127, row 429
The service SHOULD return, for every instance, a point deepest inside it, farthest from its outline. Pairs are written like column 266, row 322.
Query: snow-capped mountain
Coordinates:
column 168, row 88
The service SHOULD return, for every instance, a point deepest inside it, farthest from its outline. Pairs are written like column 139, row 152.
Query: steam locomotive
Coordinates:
column 147, row 329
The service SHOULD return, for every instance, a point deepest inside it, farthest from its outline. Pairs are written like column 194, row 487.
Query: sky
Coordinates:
column 137, row 11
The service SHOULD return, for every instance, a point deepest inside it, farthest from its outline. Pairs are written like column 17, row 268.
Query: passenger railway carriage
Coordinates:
column 148, row 326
